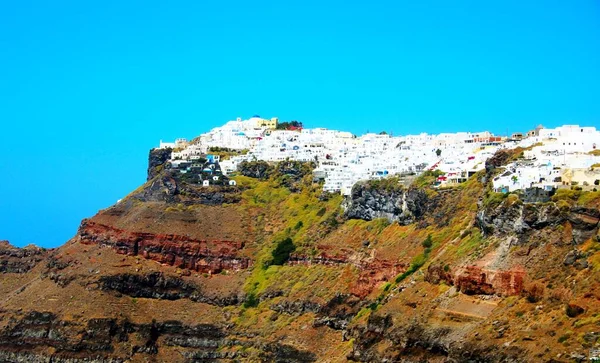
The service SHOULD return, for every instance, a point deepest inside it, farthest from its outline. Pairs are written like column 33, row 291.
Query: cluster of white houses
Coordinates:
column 562, row 156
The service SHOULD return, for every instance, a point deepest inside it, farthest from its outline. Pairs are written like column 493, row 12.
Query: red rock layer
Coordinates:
column 372, row 271
column 476, row 280
column 176, row 250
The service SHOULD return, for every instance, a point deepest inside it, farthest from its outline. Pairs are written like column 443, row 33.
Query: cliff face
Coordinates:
column 99, row 337
column 156, row 160
column 400, row 205
column 523, row 219
column 272, row 269
column 175, row 250
column 19, row 260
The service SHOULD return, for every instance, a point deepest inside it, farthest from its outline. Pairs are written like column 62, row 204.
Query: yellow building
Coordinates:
column 270, row 124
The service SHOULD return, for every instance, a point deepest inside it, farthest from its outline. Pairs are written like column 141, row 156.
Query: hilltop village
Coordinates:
column 561, row 157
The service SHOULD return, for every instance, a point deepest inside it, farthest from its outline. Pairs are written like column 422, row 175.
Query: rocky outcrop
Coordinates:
column 415, row 341
column 214, row 195
column 42, row 337
column 296, row 307
column 500, row 158
column 369, row 202
column 282, row 353
column 474, row 280
column 19, row 260
column 159, row 286
column 163, row 189
column 156, row 160
column 520, row 218
column 170, row 187
column 255, row 169
column 21, row 339
column 339, row 311
column 170, row 249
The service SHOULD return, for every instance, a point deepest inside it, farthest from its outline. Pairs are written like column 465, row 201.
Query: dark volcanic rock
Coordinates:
column 27, row 357
column 520, row 218
column 156, row 160
column 19, row 260
column 339, row 311
column 296, row 307
column 255, row 169
column 500, row 158
column 281, row 353
column 173, row 187
column 417, row 342
column 153, row 285
column 164, row 189
column 212, row 196
column 158, row 286
column 402, row 205
column 42, row 337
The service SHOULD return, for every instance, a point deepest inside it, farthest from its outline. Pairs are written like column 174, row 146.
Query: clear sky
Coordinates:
column 88, row 87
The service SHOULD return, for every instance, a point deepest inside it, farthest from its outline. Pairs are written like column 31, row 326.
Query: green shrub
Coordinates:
column 415, row 264
column 428, row 242
column 281, row 253
column 373, row 306
column 566, row 194
column 251, row 301
column 387, row 287
column 427, row 178
column 493, row 199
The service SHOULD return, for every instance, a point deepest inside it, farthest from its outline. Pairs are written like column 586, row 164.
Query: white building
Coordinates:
column 344, row 158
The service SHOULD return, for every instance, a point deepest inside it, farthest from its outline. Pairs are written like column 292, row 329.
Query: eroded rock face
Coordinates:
column 255, row 169
column 499, row 159
column 520, row 218
column 159, row 286
column 339, row 311
column 174, row 250
column 169, row 187
column 156, row 160
column 19, row 260
column 163, row 189
column 42, row 337
column 415, row 341
column 400, row 205
column 475, row 280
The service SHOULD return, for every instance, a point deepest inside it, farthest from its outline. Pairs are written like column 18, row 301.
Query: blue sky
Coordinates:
column 88, row 87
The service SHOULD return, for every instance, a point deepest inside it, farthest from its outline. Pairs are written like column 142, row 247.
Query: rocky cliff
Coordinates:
column 19, row 260
column 369, row 201
column 156, row 161
column 273, row 270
